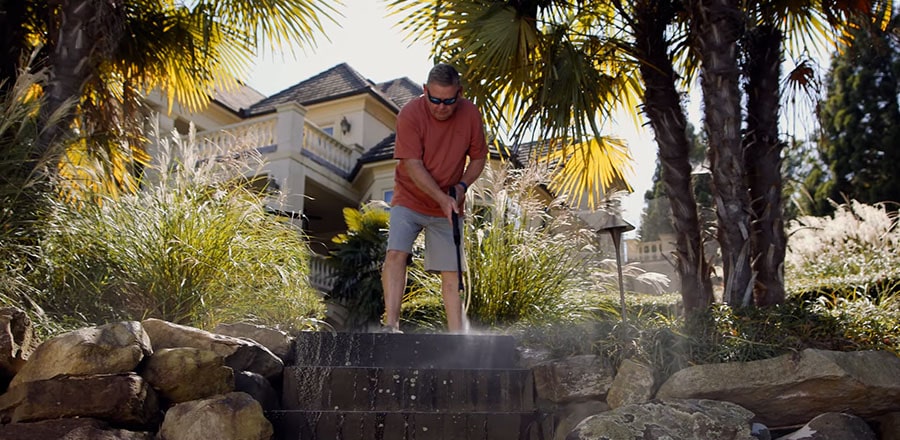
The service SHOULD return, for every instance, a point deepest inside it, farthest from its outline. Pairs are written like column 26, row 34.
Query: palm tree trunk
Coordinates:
column 12, row 22
column 662, row 105
column 763, row 154
column 717, row 26
column 70, row 66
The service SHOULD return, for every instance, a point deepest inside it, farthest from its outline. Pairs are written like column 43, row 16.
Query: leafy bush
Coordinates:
column 195, row 246
column 528, row 257
column 357, row 259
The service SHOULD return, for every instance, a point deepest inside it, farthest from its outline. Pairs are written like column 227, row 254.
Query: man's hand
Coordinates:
column 450, row 205
column 459, row 190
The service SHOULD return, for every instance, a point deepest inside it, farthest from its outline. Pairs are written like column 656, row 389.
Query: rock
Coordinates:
column 889, row 426
column 791, row 390
column 111, row 348
column 531, row 357
column 258, row 388
column 634, row 383
column 572, row 414
column 69, row 429
column 232, row 416
column 577, row 378
column 760, row 431
column 833, row 426
column 277, row 341
column 239, row 354
column 183, row 374
column 122, row 399
column 665, row 420
column 16, row 341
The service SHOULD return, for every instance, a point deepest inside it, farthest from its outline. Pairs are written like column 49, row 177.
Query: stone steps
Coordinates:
column 406, row 389
column 377, row 386
column 432, row 350
column 408, row 425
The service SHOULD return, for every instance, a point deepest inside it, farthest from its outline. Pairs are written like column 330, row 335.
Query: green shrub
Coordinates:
column 194, row 246
column 529, row 258
column 357, row 259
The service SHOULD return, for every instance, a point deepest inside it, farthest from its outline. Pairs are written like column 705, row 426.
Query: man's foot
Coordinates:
column 389, row 329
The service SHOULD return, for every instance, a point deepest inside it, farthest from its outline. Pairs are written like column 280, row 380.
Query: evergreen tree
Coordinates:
column 860, row 121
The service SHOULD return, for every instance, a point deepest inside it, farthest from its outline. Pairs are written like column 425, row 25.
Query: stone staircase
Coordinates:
column 376, row 386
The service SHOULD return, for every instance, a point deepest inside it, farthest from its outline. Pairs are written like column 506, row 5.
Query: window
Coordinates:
column 388, row 195
column 329, row 130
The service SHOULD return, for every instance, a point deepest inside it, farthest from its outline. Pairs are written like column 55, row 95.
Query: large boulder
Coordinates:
column 571, row 414
column 665, row 420
column 69, row 429
column 277, row 341
column 791, row 390
column 183, row 374
column 112, row 348
column 232, row 416
column 121, row 399
column 634, row 383
column 833, row 426
column 239, row 354
column 889, row 426
column 572, row 379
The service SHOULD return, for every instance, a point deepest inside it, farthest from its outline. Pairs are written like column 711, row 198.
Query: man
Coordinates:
column 436, row 132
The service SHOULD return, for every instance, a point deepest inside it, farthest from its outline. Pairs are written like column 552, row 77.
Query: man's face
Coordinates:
column 438, row 98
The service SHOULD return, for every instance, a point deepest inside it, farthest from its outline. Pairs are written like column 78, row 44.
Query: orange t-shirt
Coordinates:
column 443, row 147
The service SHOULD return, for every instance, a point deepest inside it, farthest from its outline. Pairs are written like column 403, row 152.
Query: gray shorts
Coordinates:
column 440, row 251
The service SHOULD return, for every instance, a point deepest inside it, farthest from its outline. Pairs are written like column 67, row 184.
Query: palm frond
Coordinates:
column 588, row 171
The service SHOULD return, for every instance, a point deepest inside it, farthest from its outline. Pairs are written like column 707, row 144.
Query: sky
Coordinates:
column 371, row 42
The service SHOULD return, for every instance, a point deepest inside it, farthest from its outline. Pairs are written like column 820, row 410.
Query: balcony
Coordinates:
column 278, row 131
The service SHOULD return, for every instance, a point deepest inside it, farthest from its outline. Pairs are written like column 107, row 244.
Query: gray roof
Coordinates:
column 338, row 82
column 238, row 99
column 401, row 90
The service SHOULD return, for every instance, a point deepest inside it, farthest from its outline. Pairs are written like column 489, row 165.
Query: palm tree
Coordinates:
column 717, row 26
column 103, row 55
column 662, row 105
column 774, row 29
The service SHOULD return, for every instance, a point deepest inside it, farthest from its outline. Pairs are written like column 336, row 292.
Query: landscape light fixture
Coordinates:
column 616, row 225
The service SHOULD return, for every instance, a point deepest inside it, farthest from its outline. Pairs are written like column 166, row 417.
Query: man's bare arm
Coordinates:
column 476, row 166
column 422, row 178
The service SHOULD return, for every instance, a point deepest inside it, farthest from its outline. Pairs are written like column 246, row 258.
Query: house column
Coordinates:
column 284, row 164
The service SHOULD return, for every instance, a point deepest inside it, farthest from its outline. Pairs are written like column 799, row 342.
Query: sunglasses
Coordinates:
column 439, row 101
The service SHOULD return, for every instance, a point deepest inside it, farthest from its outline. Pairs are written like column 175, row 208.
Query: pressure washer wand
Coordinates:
column 456, row 240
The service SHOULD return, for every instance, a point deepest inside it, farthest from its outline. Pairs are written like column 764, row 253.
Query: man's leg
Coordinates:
column 452, row 301
column 393, row 281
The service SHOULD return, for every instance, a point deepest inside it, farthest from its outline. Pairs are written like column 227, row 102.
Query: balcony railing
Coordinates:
column 254, row 133
column 262, row 132
column 324, row 147
column 320, row 273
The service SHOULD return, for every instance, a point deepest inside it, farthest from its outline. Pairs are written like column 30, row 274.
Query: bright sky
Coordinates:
column 368, row 40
